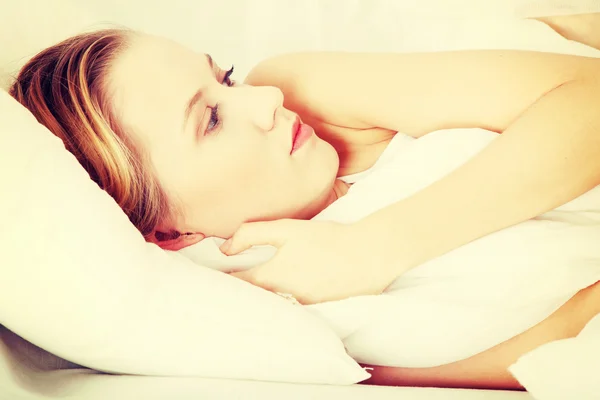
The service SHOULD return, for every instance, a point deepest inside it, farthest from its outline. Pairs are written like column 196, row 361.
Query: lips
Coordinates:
column 295, row 129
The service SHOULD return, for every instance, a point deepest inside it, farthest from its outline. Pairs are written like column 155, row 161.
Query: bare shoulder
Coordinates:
column 416, row 93
column 357, row 101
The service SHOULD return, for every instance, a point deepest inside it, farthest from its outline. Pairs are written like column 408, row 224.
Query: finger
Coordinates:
column 250, row 234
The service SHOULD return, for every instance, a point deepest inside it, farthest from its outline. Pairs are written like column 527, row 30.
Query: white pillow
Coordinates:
column 79, row 281
column 563, row 369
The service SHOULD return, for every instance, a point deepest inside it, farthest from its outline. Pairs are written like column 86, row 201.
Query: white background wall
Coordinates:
column 245, row 31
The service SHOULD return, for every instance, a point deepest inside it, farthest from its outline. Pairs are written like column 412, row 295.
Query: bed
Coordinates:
column 248, row 32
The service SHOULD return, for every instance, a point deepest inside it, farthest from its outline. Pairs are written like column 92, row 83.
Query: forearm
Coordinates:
column 489, row 369
column 547, row 157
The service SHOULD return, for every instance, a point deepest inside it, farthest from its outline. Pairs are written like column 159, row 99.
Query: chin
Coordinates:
column 329, row 159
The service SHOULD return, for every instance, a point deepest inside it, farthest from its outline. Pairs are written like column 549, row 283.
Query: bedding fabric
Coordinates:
column 564, row 369
column 479, row 295
column 37, row 296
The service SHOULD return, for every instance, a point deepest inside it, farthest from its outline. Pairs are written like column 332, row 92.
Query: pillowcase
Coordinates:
column 79, row 281
column 563, row 369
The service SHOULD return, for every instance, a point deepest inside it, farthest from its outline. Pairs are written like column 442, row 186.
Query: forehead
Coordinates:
column 151, row 82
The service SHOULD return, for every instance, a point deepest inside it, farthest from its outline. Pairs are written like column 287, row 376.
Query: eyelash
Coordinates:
column 214, row 111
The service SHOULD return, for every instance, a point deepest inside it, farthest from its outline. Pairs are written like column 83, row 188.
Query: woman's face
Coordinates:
column 222, row 153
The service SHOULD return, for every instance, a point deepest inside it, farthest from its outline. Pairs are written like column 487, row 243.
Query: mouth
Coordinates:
column 300, row 134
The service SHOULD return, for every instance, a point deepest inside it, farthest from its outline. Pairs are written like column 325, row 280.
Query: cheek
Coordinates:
column 248, row 161
column 233, row 190
column 234, row 170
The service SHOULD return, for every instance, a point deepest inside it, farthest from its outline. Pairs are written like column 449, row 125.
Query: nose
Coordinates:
column 262, row 105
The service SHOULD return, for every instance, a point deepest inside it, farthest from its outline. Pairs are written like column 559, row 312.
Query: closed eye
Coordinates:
column 214, row 111
column 214, row 118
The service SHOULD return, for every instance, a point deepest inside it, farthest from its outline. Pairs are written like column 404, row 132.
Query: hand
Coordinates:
column 316, row 261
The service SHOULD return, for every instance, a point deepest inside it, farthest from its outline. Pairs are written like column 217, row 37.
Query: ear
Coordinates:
column 178, row 243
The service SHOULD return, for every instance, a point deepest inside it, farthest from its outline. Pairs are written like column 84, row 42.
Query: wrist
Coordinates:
column 383, row 247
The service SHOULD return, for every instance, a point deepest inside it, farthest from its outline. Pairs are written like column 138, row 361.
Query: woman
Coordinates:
column 188, row 153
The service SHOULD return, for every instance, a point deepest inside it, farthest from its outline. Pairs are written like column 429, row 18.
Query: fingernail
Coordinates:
column 225, row 246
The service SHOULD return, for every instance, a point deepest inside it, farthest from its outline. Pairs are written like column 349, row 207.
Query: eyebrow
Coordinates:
column 197, row 96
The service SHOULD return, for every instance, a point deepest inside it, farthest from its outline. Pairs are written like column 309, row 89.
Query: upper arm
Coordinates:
column 416, row 93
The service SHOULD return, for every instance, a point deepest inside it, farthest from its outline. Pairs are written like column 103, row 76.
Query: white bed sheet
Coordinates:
column 128, row 388
column 152, row 388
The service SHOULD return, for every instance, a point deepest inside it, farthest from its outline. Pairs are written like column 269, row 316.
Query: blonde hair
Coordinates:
column 65, row 87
